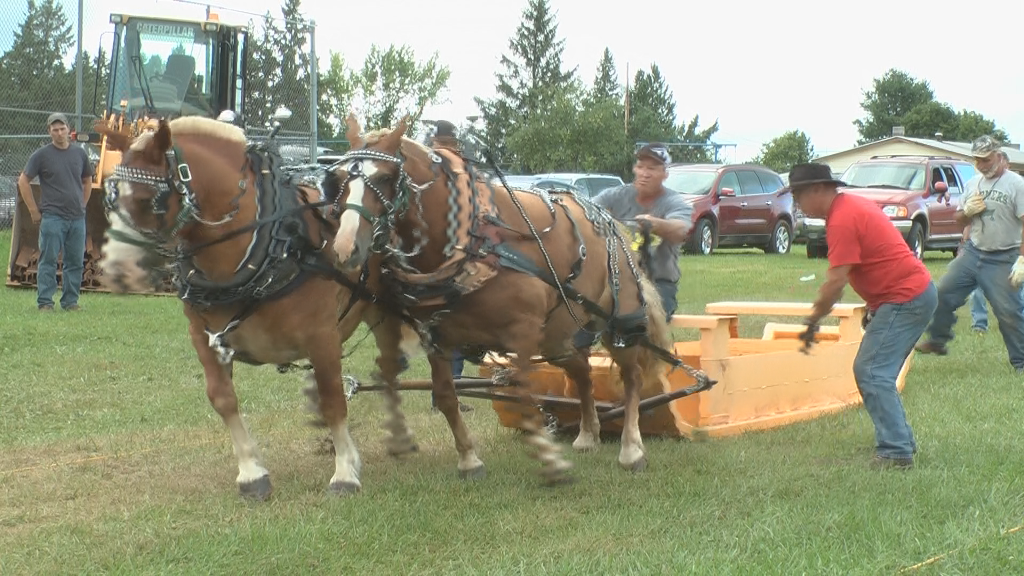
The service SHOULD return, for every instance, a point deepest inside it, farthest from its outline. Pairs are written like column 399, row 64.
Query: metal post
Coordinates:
column 313, row 92
column 78, row 71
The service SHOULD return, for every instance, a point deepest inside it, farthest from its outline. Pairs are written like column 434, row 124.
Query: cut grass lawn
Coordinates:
column 112, row 460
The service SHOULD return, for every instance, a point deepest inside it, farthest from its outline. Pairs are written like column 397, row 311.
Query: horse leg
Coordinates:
column 631, row 454
column 325, row 358
column 470, row 466
column 388, row 334
column 554, row 468
column 577, row 367
column 253, row 479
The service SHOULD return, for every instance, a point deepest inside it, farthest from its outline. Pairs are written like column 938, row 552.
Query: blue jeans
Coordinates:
column 58, row 235
column 458, row 362
column 667, row 290
column 888, row 340
column 979, row 310
column 989, row 271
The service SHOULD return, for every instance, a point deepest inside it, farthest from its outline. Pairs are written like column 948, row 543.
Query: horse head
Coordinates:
column 151, row 200
column 374, row 190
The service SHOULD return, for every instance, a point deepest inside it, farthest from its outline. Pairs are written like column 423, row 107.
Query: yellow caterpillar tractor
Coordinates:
column 159, row 67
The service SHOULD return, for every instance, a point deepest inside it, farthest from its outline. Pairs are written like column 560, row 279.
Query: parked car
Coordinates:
column 919, row 194
column 590, row 184
column 734, row 205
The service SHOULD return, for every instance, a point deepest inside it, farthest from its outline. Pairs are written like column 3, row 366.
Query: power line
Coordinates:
column 207, row 5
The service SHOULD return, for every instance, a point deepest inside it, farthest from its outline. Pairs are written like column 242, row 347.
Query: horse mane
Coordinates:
column 203, row 126
column 194, row 126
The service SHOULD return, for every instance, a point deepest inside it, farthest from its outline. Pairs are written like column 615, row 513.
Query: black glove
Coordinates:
column 807, row 337
column 867, row 319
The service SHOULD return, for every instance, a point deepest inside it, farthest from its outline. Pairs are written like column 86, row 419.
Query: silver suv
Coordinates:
column 590, row 184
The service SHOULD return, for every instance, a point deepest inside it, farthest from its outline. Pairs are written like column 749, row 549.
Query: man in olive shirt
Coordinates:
column 65, row 182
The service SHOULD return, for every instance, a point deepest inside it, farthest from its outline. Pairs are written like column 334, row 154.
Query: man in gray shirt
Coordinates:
column 647, row 202
column 65, row 183
column 992, row 259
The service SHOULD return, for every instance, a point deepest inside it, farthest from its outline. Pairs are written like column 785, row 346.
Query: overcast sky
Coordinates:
column 760, row 68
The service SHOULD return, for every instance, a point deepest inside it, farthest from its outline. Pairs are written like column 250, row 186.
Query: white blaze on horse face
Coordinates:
column 347, row 241
column 119, row 261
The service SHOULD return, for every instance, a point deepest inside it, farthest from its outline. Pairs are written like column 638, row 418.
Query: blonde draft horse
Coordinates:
column 194, row 185
column 396, row 195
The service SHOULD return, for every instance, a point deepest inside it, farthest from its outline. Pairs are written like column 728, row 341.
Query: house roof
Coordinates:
column 959, row 148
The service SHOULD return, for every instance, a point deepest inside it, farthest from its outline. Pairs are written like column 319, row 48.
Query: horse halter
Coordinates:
column 177, row 179
column 384, row 224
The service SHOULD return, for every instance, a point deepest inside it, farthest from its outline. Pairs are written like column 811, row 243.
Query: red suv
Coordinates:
column 734, row 205
column 919, row 194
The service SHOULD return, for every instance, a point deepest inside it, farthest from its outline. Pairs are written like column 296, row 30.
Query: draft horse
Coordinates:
column 515, row 272
column 251, row 254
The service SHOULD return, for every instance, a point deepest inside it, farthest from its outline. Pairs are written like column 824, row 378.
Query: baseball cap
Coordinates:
column 984, row 146
column 657, row 152
column 57, row 117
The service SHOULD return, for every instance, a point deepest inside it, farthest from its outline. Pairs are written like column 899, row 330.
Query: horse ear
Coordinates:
column 160, row 144
column 352, row 132
column 162, row 138
column 115, row 139
column 394, row 139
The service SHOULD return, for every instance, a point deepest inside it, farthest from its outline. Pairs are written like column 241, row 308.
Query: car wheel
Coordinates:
column 702, row 240
column 781, row 240
column 817, row 250
column 916, row 240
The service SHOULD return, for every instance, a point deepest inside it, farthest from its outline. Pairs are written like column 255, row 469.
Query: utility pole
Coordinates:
column 78, row 71
column 314, row 92
column 626, row 119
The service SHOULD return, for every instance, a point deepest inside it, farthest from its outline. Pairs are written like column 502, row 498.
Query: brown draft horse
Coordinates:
column 253, row 263
column 493, row 270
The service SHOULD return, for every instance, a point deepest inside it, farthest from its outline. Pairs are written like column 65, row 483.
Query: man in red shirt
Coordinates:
column 866, row 251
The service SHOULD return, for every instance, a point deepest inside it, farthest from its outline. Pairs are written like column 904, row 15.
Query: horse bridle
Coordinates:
column 177, row 179
column 383, row 225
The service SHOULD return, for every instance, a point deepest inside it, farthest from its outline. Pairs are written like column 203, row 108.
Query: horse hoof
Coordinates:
column 478, row 473
column 258, row 489
column 400, row 451
column 343, row 488
column 638, row 466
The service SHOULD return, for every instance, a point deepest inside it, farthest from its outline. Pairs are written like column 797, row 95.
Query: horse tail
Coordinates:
column 659, row 333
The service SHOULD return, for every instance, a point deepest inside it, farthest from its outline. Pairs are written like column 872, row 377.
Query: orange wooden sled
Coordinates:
column 761, row 383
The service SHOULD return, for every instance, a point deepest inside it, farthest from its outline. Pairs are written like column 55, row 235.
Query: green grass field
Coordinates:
column 113, row 461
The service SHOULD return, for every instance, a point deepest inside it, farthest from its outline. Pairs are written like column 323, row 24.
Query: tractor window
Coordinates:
column 168, row 62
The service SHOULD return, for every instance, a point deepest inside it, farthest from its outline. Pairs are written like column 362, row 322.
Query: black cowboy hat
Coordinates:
column 810, row 173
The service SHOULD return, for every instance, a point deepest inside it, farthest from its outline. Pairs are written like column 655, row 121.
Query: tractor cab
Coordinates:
column 169, row 68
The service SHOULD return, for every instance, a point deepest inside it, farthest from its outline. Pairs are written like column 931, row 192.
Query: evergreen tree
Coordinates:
column 263, row 73
column 652, row 109
column 292, row 87
column 531, row 77
column 606, row 82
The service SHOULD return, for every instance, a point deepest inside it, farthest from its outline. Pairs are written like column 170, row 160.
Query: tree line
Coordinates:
column 895, row 99
column 544, row 117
